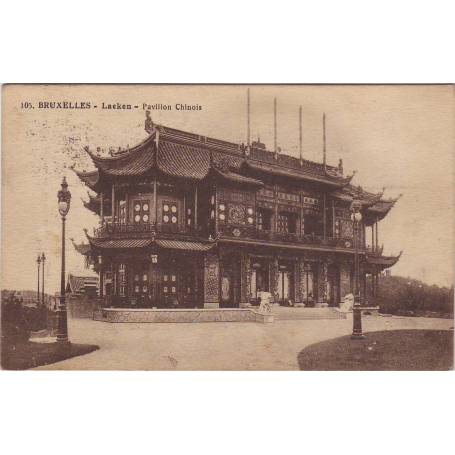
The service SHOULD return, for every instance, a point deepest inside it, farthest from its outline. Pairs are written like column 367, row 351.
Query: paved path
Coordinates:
column 215, row 346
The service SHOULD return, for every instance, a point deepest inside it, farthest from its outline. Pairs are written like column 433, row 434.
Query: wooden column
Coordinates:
column 102, row 208
column 372, row 238
column 155, row 202
column 276, row 209
column 322, row 284
column 101, row 278
column 245, row 280
column 127, row 208
column 195, row 207
column 211, row 280
column 324, row 216
column 377, row 237
column 113, row 203
column 185, row 226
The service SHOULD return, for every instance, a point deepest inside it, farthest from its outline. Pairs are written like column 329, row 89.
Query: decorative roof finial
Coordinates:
column 340, row 166
column 148, row 122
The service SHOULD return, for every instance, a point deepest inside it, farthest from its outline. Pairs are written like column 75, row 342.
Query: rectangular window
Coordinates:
column 287, row 223
column 141, row 281
column 141, row 212
column 170, row 213
column 122, row 279
column 122, row 212
column 308, row 285
column 264, row 219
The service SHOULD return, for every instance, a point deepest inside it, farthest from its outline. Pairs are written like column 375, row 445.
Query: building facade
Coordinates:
column 188, row 221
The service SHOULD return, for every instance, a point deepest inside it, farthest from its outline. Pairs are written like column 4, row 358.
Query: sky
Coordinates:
column 398, row 137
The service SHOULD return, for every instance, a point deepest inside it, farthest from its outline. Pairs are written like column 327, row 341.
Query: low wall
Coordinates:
column 181, row 315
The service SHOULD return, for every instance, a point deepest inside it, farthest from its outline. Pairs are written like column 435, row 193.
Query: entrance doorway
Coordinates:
column 259, row 279
column 230, row 282
column 285, row 281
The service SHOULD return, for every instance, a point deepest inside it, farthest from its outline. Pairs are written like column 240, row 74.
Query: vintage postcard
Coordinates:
column 227, row 227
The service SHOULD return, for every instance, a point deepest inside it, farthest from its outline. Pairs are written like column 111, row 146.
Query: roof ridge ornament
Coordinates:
column 148, row 124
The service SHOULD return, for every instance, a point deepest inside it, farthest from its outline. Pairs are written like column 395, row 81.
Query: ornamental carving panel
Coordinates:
column 346, row 229
column 211, row 278
column 274, row 279
column 236, row 214
column 322, row 278
column 245, row 277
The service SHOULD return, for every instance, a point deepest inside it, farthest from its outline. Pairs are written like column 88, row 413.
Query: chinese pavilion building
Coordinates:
column 187, row 221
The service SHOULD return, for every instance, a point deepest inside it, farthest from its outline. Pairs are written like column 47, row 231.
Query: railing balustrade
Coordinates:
column 121, row 229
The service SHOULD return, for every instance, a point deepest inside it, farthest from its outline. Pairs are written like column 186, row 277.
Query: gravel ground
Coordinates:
column 215, row 346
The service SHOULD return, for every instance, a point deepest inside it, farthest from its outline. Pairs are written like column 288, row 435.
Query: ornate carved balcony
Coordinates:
column 271, row 236
column 141, row 230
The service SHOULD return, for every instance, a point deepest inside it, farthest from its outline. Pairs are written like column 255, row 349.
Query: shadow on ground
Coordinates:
column 23, row 356
column 385, row 350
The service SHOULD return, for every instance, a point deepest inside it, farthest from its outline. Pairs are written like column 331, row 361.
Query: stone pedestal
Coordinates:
column 211, row 280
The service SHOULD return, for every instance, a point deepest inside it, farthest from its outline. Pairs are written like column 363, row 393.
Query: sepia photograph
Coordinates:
column 227, row 227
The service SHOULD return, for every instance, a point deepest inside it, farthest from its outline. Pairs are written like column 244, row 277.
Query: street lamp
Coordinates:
column 38, row 261
column 43, row 260
column 356, row 217
column 64, row 199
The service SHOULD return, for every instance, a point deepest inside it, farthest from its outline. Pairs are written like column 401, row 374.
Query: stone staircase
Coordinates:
column 290, row 314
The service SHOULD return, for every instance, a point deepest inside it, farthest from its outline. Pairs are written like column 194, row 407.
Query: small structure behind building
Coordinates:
column 82, row 295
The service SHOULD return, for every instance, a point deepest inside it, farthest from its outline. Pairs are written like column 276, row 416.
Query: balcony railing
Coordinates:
column 377, row 251
column 119, row 229
column 271, row 236
column 149, row 229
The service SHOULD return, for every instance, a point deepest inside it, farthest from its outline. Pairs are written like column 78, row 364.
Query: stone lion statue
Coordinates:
column 347, row 303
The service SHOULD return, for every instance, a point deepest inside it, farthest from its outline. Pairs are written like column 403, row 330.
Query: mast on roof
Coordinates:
column 275, row 147
column 324, row 152
column 248, row 139
column 300, row 136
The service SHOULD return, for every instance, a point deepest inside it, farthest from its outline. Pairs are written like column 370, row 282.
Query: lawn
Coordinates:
column 384, row 350
column 23, row 356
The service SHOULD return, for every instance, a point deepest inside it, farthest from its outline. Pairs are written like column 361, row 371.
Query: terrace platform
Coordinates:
column 181, row 315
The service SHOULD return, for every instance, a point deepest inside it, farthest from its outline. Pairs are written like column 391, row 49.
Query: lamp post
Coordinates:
column 64, row 199
column 356, row 217
column 43, row 260
column 38, row 261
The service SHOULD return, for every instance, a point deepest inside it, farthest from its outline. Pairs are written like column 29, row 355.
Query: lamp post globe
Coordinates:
column 356, row 217
column 64, row 199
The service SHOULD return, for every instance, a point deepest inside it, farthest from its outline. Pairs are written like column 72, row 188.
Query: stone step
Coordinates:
column 289, row 314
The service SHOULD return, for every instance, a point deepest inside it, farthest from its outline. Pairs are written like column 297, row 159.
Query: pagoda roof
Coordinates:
column 82, row 248
column 90, row 178
column 313, row 174
column 187, row 155
column 78, row 284
column 129, row 162
column 119, row 244
column 383, row 262
column 94, row 203
column 373, row 203
column 125, row 244
column 184, row 245
column 235, row 177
